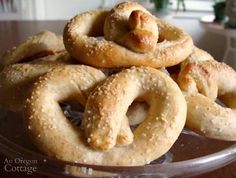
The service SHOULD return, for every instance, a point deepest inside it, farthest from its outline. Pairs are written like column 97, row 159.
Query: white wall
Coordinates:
column 66, row 9
column 61, row 9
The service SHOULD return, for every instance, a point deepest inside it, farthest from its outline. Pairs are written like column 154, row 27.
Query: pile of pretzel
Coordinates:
column 151, row 62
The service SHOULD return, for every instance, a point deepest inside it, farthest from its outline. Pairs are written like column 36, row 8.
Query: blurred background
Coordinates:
column 64, row 9
column 204, row 20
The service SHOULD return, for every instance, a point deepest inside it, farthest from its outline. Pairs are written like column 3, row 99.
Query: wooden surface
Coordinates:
column 12, row 33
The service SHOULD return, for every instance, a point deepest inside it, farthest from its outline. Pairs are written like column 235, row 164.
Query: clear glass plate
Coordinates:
column 191, row 155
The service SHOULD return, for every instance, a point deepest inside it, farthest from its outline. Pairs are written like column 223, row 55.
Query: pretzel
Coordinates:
column 210, row 79
column 42, row 44
column 80, row 41
column 108, row 103
column 56, row 136
column 16, row 79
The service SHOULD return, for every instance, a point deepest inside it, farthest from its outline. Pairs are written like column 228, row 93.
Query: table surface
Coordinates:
column 14, row 32
column 208, row 23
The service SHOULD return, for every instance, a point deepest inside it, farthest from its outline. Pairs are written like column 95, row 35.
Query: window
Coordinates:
column 195, row 5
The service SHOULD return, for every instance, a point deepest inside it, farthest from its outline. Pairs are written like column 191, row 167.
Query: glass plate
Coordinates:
column 191, row 155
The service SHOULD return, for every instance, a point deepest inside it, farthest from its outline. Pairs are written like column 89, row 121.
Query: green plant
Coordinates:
column 219, row 10
column 164, row 4
column 220, row 3
column 161, row 4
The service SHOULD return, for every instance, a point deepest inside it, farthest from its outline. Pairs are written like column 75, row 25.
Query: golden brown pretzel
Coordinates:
column 56, row 136
column 16, row 79
column 210, row 79
column 107, row 106
column 80, row 40
column 42, row 44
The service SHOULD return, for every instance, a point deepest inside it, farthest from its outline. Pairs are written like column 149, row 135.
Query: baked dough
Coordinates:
column 80, row 41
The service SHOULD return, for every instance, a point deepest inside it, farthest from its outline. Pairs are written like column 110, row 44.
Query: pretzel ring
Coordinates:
column 42, row 44
column 16, row 79
column 56, row 136
column 204, row 115
column 80, row 42
column 155, row 134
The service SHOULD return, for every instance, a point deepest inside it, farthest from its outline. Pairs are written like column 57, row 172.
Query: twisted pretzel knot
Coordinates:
column 131, row 25
column 203, row 82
